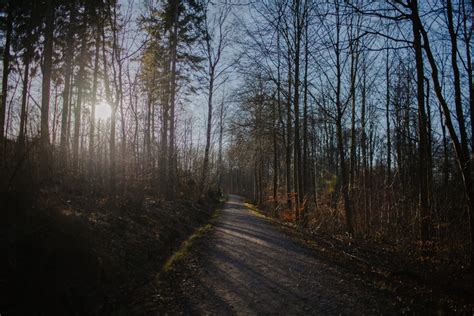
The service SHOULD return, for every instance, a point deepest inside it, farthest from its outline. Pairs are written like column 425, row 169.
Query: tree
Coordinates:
column 459, row 142
column 26, row 37
column 175, row 26
column 45, row 156
column 422, row 125
column 215, row 42
column 68, row 65
column 8, row 7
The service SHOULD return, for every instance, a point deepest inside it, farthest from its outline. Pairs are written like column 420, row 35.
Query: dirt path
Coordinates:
column 247, row 266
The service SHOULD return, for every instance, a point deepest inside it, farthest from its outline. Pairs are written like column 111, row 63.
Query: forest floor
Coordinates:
column 250, row 264
column 82, row 253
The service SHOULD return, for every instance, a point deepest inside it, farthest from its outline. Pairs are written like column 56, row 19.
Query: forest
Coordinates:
column 125, row 125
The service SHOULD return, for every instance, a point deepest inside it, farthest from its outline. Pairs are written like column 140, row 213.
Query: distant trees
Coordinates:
column 94, row 54
column 358, row 88
column 340, row 115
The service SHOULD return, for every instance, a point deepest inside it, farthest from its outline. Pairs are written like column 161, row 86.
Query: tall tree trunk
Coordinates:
column 147, row 137
column 69, row 54
column 387, row 120
column 354, row 65
column 113, row 152
column 78, row 109
column 288, row 135
column 275, row 154
column 429, row 146
column 123, row 144
column 220, row 164
column 344, row 179
column 55, row 115
column 205, row 167
column 279, row 103
column 467, row 42
column 339, row 132
column 445, row 149
column 457, row 81
column 363, row 142
column 296, row 108
column 163, row 164
column 153, row 141
column 116, row 61
column 23, row 114
column 94, row 103
column 172, row 163
column 460, row 147
column 304, row 171
column 113, row 105
column 6, row 69
column 45, row 150
column 461, row 123
column 422, row 133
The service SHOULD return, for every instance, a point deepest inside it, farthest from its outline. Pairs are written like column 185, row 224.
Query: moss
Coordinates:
column 253, row 209
column 186, row 245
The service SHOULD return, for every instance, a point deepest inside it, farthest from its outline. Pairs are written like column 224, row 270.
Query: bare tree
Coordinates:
column 216, row 41
column 45, row 159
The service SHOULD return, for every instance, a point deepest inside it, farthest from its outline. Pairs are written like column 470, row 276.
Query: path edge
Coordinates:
column 184, row 250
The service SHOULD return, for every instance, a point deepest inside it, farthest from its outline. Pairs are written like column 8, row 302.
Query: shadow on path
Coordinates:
column 249, row 267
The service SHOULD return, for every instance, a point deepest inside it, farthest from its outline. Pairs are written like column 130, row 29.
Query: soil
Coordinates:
column 252, row 265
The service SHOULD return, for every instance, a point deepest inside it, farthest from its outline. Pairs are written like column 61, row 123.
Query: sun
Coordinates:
column 103, row 111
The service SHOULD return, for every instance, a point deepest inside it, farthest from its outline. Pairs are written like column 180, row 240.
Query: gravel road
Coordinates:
column 247, row 266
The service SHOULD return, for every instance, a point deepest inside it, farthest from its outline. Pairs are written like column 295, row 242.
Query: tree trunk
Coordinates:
column 354, row 65
column 422, row 131
column 387, row 120
column 363, row 142
column 23, row 114
column 172, row 163
column 205, row 167
column 344, row 180
column 280, row 115
column 108, row 96
column 467, row 42
column 339, row 132
column 429, row 147
column 288, row 135
column 220, row 164
column 466, row 166
column 123, row 125
column 94, row 103
column 147, row 137
column 78, row 109
column 298, row 179
column 306, row 181
column 275, row 155
column 6, row 69
column 45, row 151
column 163, row 163
column 63, row 144
column 463, row 159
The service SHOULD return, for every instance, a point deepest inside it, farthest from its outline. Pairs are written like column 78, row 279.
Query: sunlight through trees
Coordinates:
column 350, row 118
